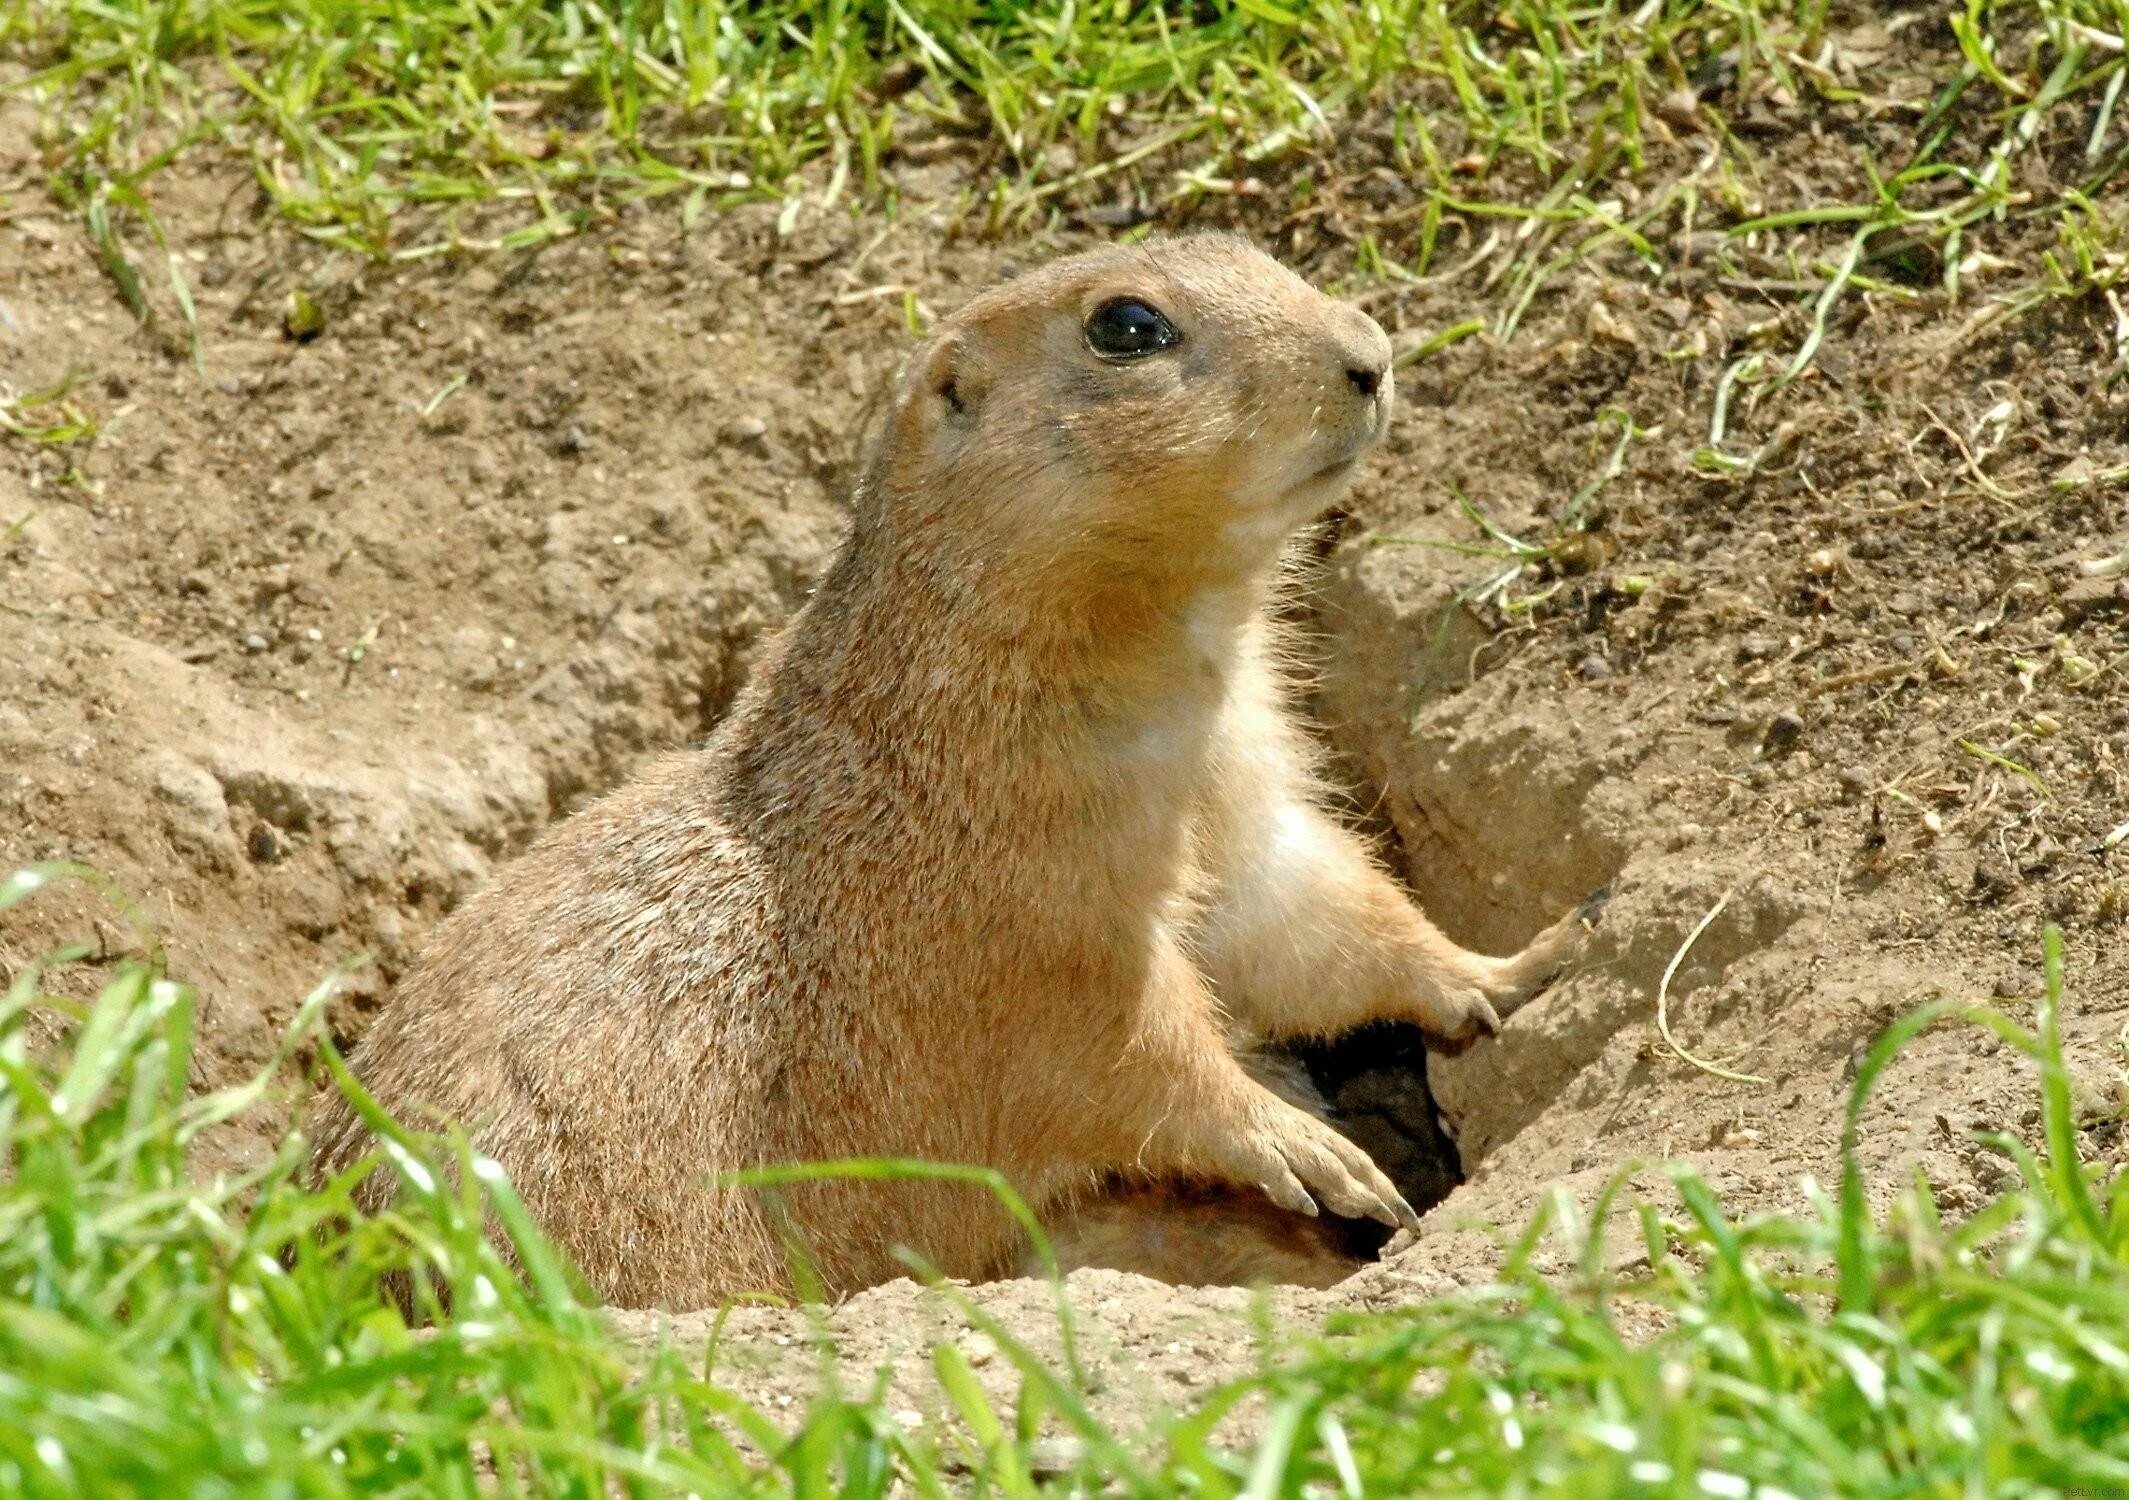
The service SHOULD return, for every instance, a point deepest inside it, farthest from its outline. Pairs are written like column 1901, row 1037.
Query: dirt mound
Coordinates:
column 302, row 644
column 1861, row 705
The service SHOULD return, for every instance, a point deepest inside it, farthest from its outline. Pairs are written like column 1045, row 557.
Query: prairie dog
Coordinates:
column 1008, row 830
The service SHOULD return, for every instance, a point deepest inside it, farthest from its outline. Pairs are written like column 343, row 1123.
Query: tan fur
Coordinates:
column 1007, row 833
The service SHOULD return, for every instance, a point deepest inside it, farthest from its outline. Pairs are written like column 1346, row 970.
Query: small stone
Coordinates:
column 1992, row 881
column 1680, row 109
column 2093, row 596
column 1604, row 326
column 255, row 643
column 745, row 432
column 1593, row 668
column 2014, row 984
column 192, row 791
column 1855, row 781
column 1758, row 648
column 574, row 441
column 265, row 845
column 1783, row 732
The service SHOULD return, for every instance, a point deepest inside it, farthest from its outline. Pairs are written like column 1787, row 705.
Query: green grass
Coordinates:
column 163, row 1333
column 353, row 111
column 1972, row 166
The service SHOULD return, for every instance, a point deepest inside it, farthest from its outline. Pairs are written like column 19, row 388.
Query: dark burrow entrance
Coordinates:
column 1375, row 1082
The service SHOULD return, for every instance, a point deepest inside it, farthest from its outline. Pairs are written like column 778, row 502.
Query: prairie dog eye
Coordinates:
column 1126, row 328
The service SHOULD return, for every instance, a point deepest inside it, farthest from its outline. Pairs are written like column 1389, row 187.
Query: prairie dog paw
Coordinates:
column 1291, row 1154
column 1511, row 981
column 1463, row 1012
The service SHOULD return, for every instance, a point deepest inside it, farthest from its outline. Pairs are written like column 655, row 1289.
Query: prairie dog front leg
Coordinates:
column 1191, row 1108
column 1303, row 934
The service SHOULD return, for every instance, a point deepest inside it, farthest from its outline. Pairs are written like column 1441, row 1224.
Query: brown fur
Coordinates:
column 1005, row 837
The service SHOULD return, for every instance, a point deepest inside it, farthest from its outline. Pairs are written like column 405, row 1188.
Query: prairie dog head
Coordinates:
column 1178, row 406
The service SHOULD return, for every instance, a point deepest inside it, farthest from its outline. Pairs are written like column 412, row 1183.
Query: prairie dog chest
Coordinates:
column 1165, row 746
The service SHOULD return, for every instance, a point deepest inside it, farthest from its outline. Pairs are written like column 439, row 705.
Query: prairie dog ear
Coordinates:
column 950, row 373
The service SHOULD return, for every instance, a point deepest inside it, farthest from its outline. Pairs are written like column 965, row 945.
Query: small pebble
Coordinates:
column 1855, row 781
column 1758, row 648
column 255, row 643
column 1783, row 731
column 1992, row 881
column 265, row 845
column 745, row 432
column 1593, row 668
column 1680, row 109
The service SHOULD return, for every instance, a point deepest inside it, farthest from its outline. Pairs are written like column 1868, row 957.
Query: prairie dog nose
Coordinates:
column 1364, row 352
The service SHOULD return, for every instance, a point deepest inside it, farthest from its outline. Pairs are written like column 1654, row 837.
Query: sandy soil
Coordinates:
column 300, row 648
